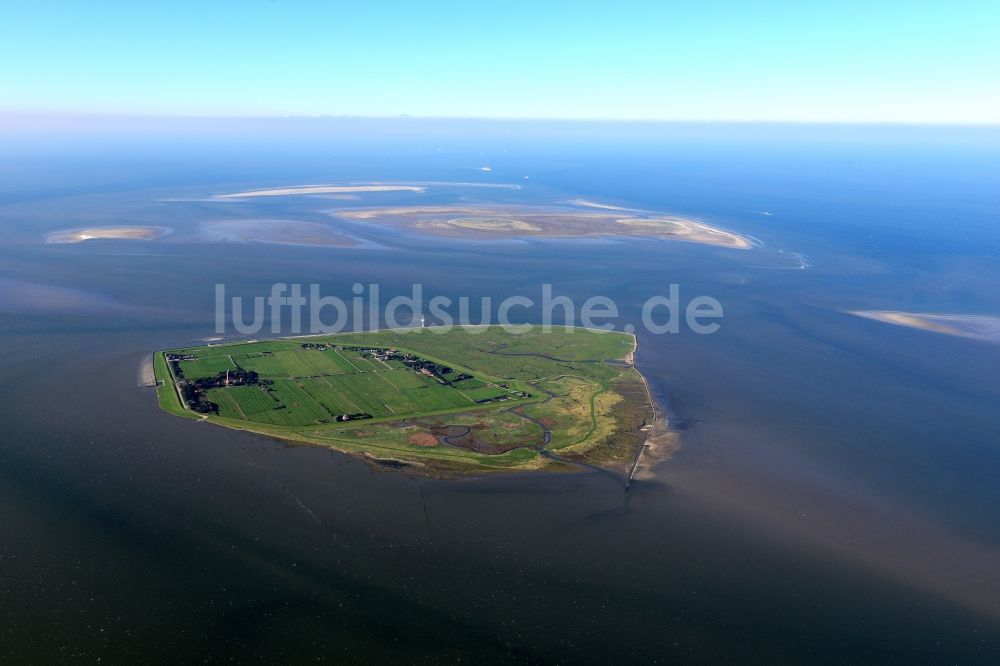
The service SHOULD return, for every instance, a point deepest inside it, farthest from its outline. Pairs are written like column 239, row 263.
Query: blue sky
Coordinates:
column 879, row 61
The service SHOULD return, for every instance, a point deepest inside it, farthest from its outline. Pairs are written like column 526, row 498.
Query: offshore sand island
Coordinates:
column 489, row 221
column 350, row 225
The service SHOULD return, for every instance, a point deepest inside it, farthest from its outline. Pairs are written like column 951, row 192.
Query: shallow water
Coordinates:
column 835, row 498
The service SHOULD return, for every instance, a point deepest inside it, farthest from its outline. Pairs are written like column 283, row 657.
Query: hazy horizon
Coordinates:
column 43, row 116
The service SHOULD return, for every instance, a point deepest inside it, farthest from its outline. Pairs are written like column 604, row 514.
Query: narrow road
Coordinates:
column 652, row 424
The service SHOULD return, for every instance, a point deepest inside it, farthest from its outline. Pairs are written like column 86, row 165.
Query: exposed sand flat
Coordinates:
column 374, row 213
column 147, row 377
column 292, row 232
column 672, row 224
column 483, row 222
column 106, row 233
column 978, row 327
column 594, row 204
column 321, row 189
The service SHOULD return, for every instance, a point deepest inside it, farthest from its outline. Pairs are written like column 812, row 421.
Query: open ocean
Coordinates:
column 836, row 497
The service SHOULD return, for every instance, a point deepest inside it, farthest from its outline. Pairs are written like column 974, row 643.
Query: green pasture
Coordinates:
column 303, row 391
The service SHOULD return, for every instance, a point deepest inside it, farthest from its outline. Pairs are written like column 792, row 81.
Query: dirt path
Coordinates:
column 652, row 425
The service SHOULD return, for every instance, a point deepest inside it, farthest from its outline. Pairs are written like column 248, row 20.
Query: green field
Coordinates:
column 468, row 399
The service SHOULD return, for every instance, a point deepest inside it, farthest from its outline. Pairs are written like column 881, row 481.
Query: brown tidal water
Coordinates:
column 153, row 537
column 834, row 501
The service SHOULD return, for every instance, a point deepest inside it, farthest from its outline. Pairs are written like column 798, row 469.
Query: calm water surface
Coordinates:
column 835, row 499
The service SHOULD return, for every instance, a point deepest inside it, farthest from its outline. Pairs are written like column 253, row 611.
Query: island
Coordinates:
column 487, row 222
column 320, row 219
column 442, row 401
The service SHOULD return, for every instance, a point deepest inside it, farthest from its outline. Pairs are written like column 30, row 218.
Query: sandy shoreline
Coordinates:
column 491, row 221
column 147, row 376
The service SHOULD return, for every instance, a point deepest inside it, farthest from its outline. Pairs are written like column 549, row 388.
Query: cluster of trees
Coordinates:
column 409, row 360
column 196, row 399
column 238, row 377
column 353, row 417
column 503, row 398
column 193, row 396
column 193, row 391
column 435, row 369
column 180, row 357
column 175, row 366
